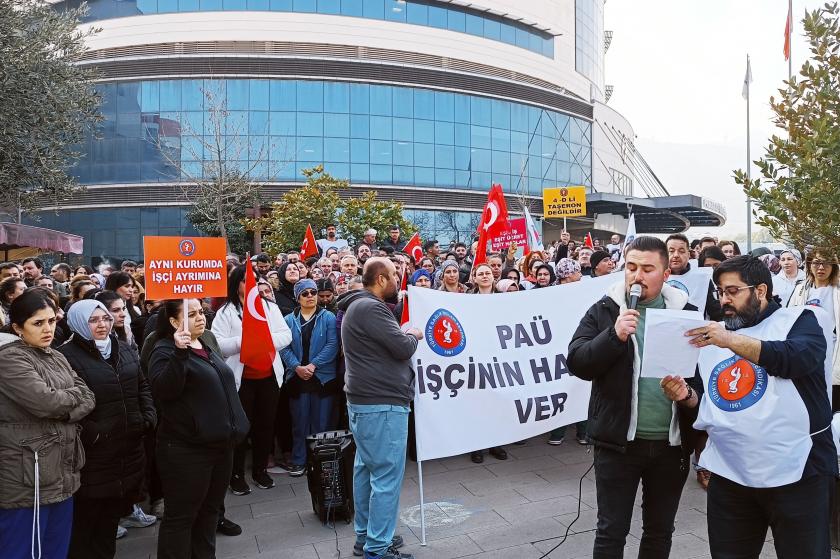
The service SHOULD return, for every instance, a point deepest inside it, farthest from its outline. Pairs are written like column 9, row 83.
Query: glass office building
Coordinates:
column 426, row 101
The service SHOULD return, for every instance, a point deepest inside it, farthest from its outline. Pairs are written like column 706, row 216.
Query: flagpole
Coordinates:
column 749, row 163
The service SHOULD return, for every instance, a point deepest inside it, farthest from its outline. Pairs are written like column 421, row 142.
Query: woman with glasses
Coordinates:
column 821, row 288
column 310, row 362
column 112, row 435
column 258, row 389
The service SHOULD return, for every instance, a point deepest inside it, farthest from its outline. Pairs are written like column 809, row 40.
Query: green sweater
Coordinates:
column 654, row 409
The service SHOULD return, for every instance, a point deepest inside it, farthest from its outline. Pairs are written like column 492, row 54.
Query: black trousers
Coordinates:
column 195, row 480
column 799, row 515
column 94, row 534
column 259, row 400
column 662, row 471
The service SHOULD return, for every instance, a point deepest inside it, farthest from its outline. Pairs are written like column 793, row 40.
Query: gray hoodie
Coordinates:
column 376, row 352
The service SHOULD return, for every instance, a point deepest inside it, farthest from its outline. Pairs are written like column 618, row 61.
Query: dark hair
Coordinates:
column 38, row 262
column 710, row 252
column 118, row 279
column 646, row 243
column 734, row 246
column 835, row 267
column 324, row 284
column 107, row 297
column 88, row 270
column 372, row 271
column 236, row 276
column 459, row 244
column 707, row 239
column 429, row 244
column 750, row 269
column 262, row 258
column 170, row 309
column 68, row 271
column 677, row 237
column 506, row 271
column 694, row 244
column 28, row 303
column 8, row 265
column 130, row 263
column 8, row 285
column 91, row 294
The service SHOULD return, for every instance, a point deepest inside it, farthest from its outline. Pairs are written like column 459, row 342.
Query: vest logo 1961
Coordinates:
column 444, row 333
column 736, row 384
column 679, row 285
column 186, row 247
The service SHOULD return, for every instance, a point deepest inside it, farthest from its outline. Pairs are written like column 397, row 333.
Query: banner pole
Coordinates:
column 186, row 322
column 564, row 224
column 422, row 504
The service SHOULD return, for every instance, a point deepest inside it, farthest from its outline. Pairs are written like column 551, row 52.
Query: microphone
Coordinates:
column 635, row 293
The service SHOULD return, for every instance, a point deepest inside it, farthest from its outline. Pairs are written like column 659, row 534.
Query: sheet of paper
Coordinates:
column 667, row 351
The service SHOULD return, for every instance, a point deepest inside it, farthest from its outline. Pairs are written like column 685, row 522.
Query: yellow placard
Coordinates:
column 565, row 201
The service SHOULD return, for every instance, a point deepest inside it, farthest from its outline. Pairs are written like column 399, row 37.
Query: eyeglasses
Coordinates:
column 308, row 293
column 94, row 320
column 731, row 291
column 821, row 264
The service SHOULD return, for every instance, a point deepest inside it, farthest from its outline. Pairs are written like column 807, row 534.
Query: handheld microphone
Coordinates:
column 635, row 293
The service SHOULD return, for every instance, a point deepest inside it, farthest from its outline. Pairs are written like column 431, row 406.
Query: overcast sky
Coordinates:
column 678, row 69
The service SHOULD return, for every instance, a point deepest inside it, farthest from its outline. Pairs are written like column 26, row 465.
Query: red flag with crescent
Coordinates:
column 587, row 242
column 308, row 247
column 494, row 222
column 414, row 248
column 404, row 288
column 257, row 348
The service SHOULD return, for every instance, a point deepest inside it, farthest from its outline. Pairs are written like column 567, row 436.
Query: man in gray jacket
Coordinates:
column 379, row 383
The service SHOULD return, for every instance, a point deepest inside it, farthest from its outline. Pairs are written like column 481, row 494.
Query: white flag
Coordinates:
column 628, row 238
column 745, row 92
column 532, row 235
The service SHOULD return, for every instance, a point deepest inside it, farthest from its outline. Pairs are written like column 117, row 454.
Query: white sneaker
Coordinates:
column 121, row 532
column 137, row 519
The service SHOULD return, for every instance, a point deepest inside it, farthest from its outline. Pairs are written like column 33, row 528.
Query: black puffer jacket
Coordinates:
column 198, row 398
column 113, row 433
column 598, row 355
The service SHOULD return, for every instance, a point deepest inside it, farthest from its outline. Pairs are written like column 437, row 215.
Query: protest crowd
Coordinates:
column 117, row 412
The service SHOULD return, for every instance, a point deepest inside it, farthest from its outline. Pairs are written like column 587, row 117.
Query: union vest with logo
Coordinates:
column 758, row 424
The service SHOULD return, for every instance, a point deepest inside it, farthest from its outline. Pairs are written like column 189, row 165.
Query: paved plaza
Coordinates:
column 519, row 508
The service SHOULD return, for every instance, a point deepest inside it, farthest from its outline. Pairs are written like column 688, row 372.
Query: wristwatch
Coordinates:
column 688, row 395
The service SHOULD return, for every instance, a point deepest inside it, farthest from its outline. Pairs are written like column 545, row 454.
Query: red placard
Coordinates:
column 516, row 234
column 181, row 267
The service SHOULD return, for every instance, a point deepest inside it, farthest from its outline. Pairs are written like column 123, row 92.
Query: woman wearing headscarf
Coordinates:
column 201, row 423
column 42, row 401
column 545, row 276
column 506, row 285
column 450, row 274
column 821, row 288
column 112, row 479
column 789, row 276
column 258, row 389
column 285, row 296
column 310, row 361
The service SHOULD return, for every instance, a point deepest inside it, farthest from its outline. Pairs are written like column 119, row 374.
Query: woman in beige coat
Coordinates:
column 41, row 403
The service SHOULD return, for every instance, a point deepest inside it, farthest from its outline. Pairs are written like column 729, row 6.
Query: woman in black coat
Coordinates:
column 112, row 435
column 285, row 296
column 202, row 422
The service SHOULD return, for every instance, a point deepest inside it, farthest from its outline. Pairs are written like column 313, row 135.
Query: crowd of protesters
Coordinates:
column 124, row 414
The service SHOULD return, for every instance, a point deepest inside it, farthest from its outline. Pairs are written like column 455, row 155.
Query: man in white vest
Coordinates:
column 766, row 409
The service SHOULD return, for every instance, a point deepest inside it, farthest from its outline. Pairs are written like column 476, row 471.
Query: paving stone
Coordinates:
column 488, row 486
column 502, row 537
column 530, row 512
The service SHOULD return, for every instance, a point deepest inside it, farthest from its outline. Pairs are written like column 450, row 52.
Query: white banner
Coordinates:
column 695, row 284
column 491, row 369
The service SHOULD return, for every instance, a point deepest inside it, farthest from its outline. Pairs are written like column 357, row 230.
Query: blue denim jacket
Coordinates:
column 323, row 346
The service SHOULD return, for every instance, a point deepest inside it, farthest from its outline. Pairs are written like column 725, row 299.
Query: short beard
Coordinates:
column 746, row 317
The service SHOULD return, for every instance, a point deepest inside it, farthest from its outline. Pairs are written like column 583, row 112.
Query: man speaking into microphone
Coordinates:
column 766, row 409
column 636, row 430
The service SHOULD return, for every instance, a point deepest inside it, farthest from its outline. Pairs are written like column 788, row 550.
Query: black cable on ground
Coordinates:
column 569, row 527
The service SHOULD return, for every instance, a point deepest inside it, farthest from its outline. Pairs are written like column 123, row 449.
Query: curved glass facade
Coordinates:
column 416, row 12
column 369, row 134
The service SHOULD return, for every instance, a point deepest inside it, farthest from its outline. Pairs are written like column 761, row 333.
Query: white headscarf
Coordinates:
column 77, row 319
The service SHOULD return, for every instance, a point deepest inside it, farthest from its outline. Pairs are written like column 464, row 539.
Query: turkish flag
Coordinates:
column 787, row 34
column 309, row 247
column 587, row 242
column 494, row 222
column 404, row 289
column 257, row 348
column 414, row 248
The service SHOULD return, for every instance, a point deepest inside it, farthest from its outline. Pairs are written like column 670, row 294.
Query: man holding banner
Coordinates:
column 638, row 433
